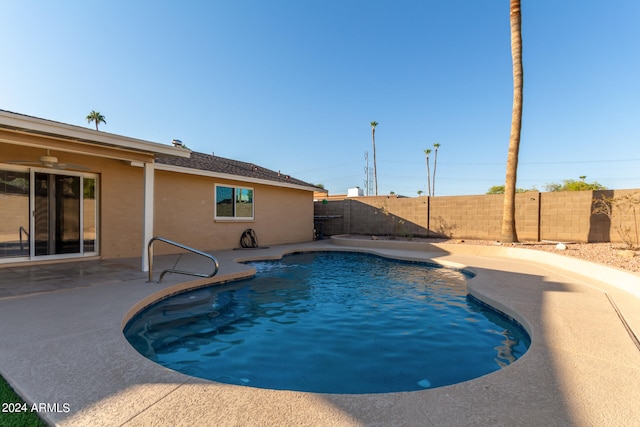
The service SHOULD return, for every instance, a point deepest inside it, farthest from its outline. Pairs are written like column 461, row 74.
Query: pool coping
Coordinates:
column 582, row 367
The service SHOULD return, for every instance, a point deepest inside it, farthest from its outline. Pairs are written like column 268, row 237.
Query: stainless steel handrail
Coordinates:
column 23, row 230
column 170, row 270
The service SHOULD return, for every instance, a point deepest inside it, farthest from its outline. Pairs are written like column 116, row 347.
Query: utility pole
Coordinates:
column 366, row 173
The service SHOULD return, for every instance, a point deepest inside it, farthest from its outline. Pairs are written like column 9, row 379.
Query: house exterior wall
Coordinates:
column 183, row 205
column 120, row 190
column 121, row 204
column 184, row 212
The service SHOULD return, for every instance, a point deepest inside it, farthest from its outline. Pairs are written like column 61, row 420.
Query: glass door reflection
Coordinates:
column 56, row 214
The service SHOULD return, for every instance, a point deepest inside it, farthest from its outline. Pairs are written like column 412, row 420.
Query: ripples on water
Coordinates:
column 331, row 322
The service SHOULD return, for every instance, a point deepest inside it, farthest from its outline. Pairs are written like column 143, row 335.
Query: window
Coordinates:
column 234, row 203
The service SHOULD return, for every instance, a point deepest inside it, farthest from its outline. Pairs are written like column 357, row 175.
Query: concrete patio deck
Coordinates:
column 62, row 343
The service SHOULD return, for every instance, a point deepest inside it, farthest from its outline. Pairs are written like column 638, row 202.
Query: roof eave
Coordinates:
column 39, row 126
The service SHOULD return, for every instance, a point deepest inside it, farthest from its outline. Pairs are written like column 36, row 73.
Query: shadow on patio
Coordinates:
column 582, row 367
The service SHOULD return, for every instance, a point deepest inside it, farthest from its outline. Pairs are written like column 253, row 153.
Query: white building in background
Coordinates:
column 355, row 192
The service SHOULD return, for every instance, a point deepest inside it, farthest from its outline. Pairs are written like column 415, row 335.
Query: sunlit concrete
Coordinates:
column 62, row 342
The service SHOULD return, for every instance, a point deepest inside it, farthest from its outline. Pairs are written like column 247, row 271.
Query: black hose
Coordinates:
column 249, row 239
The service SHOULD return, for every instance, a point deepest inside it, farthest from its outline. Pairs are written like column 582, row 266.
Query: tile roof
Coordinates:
column 211, row 163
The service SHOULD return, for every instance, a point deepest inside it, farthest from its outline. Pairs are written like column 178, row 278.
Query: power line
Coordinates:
column 520, row 162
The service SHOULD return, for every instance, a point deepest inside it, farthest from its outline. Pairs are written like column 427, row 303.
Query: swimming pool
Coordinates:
column 331, row 322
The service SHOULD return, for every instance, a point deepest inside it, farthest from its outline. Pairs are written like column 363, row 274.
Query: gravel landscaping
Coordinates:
column 610, row 254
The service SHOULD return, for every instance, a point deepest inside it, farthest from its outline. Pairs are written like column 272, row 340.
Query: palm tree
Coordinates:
column 427, row 152
column 435, row 162
column 96, row 117
column 508, row 232
column 373, row 141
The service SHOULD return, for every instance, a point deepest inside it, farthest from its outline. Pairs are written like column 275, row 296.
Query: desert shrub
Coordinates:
column 622, row 212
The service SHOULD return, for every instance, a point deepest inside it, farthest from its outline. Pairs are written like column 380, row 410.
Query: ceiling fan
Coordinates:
column 49, row 161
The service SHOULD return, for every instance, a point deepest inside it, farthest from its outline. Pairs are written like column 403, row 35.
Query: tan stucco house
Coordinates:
column 73, row 192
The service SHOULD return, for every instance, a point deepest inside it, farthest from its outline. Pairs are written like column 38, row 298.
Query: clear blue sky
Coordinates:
column 292, row 85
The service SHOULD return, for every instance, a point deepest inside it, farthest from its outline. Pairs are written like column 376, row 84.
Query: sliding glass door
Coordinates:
column 47, row 214
column 57, row 214
column 89, row 215
column 14, row 213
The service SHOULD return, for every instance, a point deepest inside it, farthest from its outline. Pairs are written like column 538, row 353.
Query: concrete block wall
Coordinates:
column 387, row 215
column 472, row 217
column 565, row 216
column 480, row 216
column 625, row 216
column 527, row 216
column 556, row 216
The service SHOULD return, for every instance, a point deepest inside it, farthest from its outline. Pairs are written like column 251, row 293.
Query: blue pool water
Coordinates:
column 331, row 322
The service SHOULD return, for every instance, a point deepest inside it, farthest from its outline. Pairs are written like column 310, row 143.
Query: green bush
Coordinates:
column 573, row 185
column 499, row 189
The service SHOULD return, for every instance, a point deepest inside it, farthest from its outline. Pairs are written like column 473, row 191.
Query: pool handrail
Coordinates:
column 23, row 230
column 171, row 270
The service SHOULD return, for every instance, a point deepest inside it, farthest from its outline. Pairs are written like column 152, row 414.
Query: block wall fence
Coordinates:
column 557, row 216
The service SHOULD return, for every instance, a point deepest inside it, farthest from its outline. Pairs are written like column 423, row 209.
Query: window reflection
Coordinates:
column 244, row 203
column 14, row 227
column 234, row 202
column 89, row 209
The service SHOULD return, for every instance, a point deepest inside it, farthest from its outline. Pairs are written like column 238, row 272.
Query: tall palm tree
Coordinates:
column 427, row 152
column 435, row 163
column 96, row 117
column 508, row 232
column 373, row 141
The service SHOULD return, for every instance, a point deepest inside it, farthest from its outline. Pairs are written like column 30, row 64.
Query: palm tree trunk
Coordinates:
column 428, row 177
column 375, row 168
column 508, row 233
column 435, row 164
